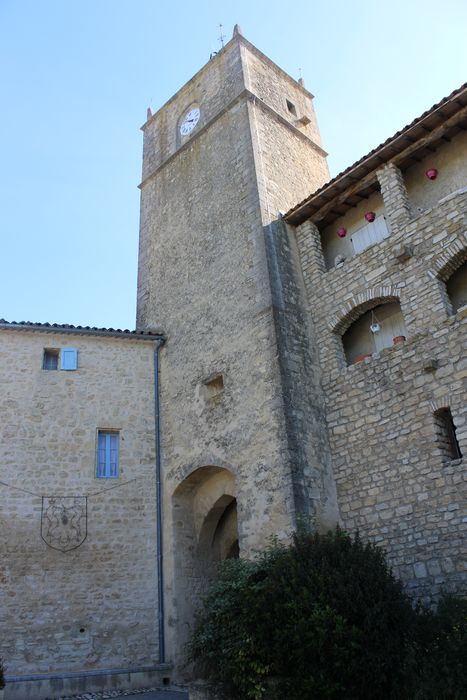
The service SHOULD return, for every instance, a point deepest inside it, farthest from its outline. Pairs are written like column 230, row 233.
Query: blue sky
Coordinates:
column 78, row 75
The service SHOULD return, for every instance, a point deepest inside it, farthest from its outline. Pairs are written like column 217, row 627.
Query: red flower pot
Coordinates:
column 360, row 358
column 342, row 232
column 431, row 173
column 370, row 216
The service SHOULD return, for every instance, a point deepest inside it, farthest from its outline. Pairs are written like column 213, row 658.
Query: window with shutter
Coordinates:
column 360, row 340
column 107, row 454
column 68, row 358
column 392, row 325
column 370, row 234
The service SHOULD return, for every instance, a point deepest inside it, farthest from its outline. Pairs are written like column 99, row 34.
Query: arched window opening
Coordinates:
column 380, row 327
column 456, row 287
column 446, row 437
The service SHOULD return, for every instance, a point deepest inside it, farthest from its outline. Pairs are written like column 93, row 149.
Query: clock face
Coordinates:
column 189, row 121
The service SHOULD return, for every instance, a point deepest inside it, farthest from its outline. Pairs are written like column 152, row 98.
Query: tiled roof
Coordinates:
column 384, row 152
column 79, row 330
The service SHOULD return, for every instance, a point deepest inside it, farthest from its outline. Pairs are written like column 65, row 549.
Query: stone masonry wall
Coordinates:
column 274, row 87
column 206, row 284
column 289, row 163
column 392, row 483
column 93, row 607
column 213, row 88
column 204, row 278
column 310, row 456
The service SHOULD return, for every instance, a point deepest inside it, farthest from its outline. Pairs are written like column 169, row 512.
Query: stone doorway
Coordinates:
column 205, row 527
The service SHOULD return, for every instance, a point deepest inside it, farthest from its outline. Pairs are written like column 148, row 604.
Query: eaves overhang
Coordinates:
column 81, row 330
column 409, row 145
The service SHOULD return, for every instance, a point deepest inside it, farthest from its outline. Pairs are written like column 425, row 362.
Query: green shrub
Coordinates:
column 323, row 618
column 441, row 651
column 223, row 646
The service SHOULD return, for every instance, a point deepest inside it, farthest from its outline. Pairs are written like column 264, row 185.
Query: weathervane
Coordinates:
column 222, row 36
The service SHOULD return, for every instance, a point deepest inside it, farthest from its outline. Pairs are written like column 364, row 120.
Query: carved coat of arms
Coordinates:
column 64, row 521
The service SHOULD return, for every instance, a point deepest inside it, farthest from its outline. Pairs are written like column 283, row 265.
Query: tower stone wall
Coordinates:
column 214, row 272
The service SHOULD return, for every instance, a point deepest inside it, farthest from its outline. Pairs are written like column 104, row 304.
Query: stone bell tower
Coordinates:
column 243, row 444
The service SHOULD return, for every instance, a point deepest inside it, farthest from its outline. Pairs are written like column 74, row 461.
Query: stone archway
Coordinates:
column 219, row 534
column 204, row 508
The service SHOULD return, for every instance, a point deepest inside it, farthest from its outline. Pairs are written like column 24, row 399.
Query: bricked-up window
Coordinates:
column 457, row 288
column 446, row 437
column 107, row 454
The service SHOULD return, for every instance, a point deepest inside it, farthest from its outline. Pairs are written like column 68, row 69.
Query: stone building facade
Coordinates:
column 78, row 574
column 394, row 411
column 283, row 393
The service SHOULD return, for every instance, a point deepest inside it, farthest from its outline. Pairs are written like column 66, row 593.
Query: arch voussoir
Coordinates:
column 365, row 300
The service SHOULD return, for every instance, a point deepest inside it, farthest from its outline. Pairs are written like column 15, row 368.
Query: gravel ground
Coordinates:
column 146, row 693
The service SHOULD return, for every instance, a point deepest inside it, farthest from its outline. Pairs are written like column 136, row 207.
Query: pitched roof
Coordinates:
column 440, row 122
column 80, row 330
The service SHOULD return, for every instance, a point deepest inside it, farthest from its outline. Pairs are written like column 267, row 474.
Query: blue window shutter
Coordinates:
column 68, row 358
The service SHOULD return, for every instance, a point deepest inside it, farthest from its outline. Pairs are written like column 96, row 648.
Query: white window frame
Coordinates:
column 105, row 469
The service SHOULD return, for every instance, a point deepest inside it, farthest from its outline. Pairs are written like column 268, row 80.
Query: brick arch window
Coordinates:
column 446, row 435
column 456, row 287
column 375, row 329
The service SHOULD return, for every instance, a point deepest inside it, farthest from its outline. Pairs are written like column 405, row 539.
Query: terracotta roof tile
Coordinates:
column 79, row 330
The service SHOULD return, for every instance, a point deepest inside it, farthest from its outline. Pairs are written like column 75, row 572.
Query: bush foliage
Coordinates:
column 441, row 651
column 322, row 618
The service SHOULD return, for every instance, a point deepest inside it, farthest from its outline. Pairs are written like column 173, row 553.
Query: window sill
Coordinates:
column 453, row 462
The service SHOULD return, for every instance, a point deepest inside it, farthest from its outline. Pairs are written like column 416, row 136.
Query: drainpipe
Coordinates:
column 159, row 543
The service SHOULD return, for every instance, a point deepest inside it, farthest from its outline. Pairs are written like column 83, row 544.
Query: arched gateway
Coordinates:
column 204, row 508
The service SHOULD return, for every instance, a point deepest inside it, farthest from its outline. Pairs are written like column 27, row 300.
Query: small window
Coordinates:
column 214, row 386
column 60, row 358
column 107, row 454
column 291, row 108
column 457, row 288
column 50, row 359
column 446, row 437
